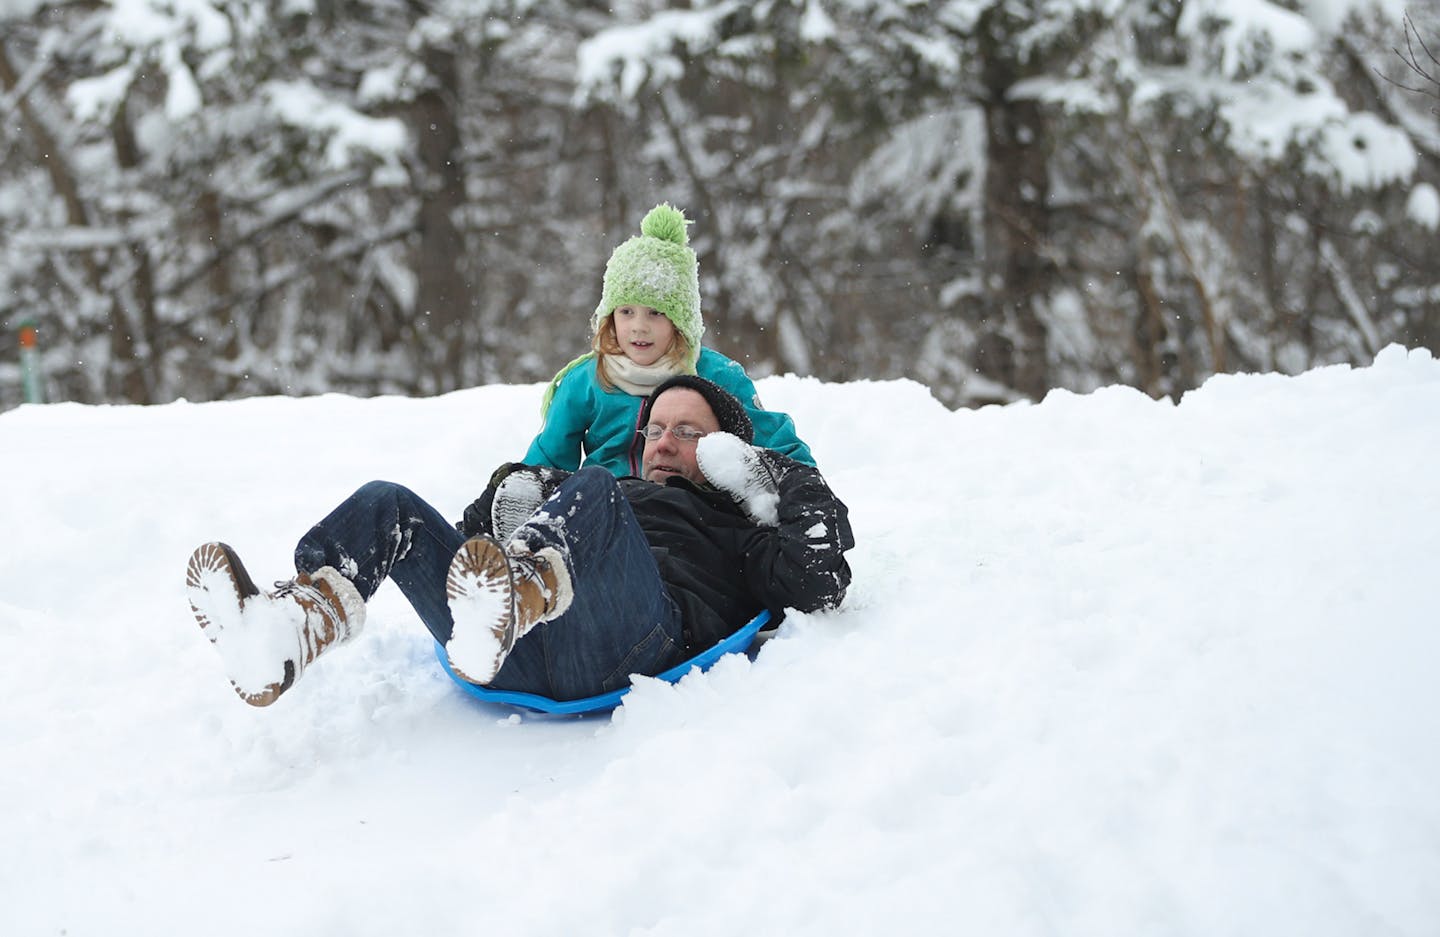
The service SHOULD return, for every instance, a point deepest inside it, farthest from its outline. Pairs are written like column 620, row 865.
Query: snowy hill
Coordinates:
column 1110, row 666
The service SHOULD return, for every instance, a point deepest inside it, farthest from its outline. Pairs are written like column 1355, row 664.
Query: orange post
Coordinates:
column 30, row 362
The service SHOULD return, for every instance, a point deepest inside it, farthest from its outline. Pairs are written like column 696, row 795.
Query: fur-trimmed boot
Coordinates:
column 497, row 594
column 267, row 639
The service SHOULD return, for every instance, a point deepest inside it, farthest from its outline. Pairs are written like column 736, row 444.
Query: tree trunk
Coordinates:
column 1018, row 274
column 443, row 324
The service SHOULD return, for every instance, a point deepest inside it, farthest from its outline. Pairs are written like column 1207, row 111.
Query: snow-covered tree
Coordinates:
column 995, row 197
column 198, row 194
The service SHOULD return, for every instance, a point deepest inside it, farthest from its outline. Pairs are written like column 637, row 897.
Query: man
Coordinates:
column 601, row 579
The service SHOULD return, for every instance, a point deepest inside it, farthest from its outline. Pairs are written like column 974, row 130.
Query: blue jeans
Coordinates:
column 621, row 621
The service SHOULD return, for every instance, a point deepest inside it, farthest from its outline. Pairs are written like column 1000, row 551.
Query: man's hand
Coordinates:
column 797, row 557
column 747, row 473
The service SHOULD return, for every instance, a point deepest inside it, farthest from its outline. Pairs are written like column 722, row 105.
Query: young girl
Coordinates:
column 646, row 329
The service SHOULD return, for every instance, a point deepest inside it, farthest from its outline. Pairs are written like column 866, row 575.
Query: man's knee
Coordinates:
column 382, row 490
column 593, row 478
column 594, row 474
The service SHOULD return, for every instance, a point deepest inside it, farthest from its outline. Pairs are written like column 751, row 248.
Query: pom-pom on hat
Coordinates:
column 659, row 270
column 728, row 410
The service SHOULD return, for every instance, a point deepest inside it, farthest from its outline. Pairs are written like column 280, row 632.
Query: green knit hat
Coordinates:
column 657, row 269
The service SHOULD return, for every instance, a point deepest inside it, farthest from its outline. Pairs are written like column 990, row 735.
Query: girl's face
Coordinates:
column 644, row 334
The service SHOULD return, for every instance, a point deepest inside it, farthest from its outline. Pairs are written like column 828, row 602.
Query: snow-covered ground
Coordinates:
column 1109, row 666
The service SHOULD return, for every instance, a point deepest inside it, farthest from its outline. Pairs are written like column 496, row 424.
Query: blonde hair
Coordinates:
column 606, row 342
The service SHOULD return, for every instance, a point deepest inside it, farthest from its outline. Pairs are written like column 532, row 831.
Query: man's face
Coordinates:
column 667, row 455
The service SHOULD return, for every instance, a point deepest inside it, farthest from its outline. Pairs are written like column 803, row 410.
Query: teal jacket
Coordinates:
column 583, row 418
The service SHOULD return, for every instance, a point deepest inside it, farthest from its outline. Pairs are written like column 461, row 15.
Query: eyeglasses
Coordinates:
column 683, row 433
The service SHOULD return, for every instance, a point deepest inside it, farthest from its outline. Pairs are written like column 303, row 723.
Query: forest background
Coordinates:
column 214, row 199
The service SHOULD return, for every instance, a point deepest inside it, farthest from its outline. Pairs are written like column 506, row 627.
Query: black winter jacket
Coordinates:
column 722, row 568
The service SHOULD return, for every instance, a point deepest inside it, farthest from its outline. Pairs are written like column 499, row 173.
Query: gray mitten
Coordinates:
column 747, row 473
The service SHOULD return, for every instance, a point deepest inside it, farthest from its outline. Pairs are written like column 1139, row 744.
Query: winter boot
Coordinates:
column 519, row 494
column 497, row 594
column 268, row 639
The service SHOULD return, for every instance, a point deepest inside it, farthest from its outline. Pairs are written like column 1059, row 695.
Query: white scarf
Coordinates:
column 639, row 379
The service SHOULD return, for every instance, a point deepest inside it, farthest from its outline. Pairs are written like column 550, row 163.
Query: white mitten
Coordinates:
column 748, row 474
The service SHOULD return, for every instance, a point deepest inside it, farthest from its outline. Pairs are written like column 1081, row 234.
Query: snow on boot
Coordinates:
column 267, row 639
column 497, row 594
column 520, row 495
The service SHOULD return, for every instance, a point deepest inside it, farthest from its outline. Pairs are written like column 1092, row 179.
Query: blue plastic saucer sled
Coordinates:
column 737, row 643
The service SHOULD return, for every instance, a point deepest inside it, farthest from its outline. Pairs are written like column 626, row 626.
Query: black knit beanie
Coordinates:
column 727, row 409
